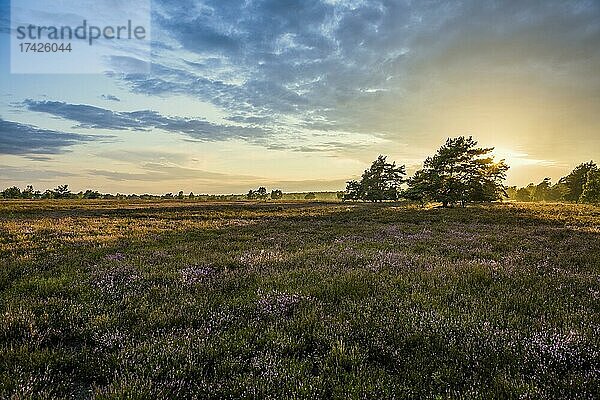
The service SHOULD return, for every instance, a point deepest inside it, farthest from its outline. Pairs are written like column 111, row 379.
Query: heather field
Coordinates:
column 168, row 299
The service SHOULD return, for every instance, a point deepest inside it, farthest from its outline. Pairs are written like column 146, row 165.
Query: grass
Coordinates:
column 114, row 299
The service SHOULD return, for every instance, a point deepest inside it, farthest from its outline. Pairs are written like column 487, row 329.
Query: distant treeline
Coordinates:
column 63, row 192
column 459, row 172
column 582, row 185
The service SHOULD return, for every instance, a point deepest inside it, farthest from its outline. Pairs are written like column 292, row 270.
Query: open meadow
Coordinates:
column 272, row 300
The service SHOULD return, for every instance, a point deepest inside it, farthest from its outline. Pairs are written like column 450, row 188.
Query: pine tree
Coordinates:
column 378, row 183
column 460, row 172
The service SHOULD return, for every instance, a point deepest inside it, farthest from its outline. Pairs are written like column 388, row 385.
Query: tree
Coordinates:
column 378, row 183
column 62, row 192
column 417, row 187
column 591, row 190
column 484, row 181
column 310, row 196
column 460, row 172
column 276, row 194
column 260, row 194
column 353, row 191
column 12, row 193
column 191, row 196
column 523, row 194
column 180, row 195
column 545, row 191
column 542, row 191
column 557, row 191
column 28, row 193
column 511, row 192
column 91, row 194
column 531, row 190
column 576, row 180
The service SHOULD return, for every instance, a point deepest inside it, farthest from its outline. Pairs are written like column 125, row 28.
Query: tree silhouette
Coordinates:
column 380, row 182
column 353, row 191
column 91, row 194
column 542, row 190
column 591, row 190
column 62, row 192
column 576, row 180
column 260, row 194
column 28, row 193
column 460, row 172
column 523, row 194
column 12, row 193
column 276, row 194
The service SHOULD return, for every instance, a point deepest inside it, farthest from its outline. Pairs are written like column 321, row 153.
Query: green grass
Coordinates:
column 298, row 300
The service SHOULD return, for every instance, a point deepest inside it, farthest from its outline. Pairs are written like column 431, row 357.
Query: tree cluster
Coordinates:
column 258, row 194
column 63, row 192
column 262, row 194
column 582, row 185
column 60, row 192
column 458, row 173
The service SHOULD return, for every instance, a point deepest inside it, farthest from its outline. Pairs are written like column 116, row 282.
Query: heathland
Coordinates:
column 168, row 299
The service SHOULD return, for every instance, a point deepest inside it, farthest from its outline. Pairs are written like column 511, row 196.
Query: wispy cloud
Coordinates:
column 88, row 116
column 110, row 97
column 25, row 174
column 160, row 172
column 256, row 130
column 27, row 140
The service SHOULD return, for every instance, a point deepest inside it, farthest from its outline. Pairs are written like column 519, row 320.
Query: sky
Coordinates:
column 302, row 95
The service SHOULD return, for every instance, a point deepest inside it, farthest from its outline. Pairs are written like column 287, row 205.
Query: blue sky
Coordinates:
column 302, row 95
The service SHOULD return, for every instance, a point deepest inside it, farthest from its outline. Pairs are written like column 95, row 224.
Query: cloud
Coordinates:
column 23, row 174
column 329, row 60
column 154, row 172
column 27, row 140
column 141, row 156
column 110, row 97
column 88, row 116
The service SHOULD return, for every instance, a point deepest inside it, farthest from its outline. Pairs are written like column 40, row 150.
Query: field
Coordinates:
column 275, row 300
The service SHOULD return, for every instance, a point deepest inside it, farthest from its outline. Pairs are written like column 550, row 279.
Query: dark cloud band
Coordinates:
column 100, row 118
column 22, row 139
